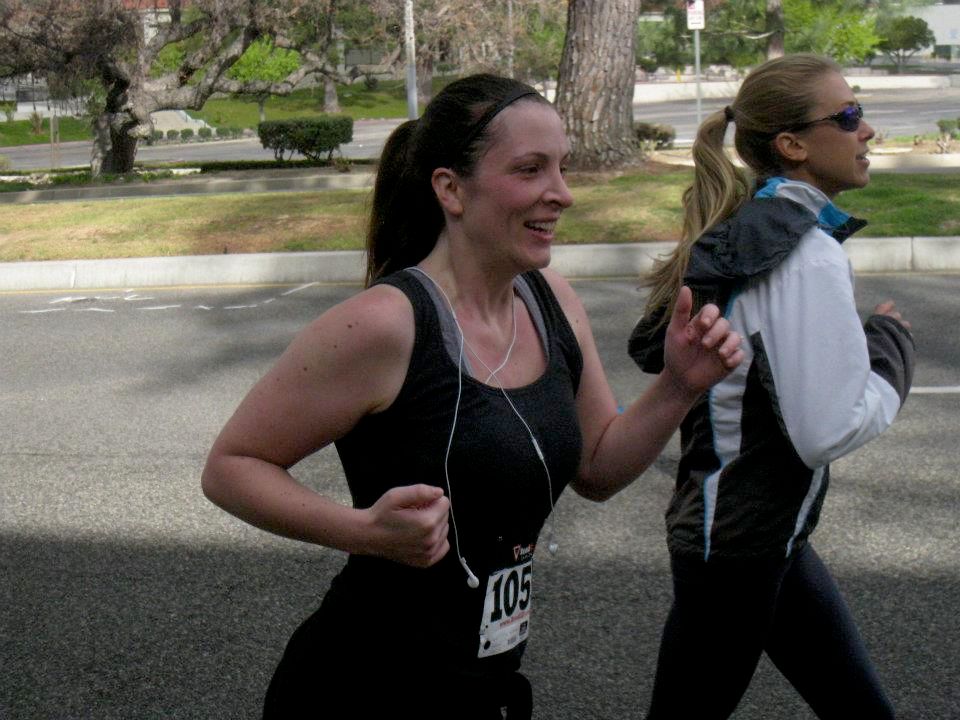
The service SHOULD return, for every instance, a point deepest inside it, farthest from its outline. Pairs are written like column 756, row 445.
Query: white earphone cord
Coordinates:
column 552, row 546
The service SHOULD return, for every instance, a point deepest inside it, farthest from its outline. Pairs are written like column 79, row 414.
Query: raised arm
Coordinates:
column 348, row 363
column 618, row 447
column 839, row 384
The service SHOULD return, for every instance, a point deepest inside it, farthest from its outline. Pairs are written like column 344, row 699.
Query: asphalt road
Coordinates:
column 895, row 112
column 125, row 594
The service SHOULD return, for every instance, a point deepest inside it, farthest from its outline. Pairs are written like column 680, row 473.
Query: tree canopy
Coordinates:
column 737, row 32
column 903, row 36
column 147, row 60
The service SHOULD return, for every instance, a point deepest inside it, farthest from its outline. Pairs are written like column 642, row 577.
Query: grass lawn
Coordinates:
column 901, row 205
column 387, row 100
column 20, row 132
column 639, row 206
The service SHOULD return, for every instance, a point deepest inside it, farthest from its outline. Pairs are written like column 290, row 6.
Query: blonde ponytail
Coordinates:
column 719, row 188
column 779, row 94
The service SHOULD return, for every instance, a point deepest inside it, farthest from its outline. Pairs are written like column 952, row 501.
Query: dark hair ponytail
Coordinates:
column 406, row 218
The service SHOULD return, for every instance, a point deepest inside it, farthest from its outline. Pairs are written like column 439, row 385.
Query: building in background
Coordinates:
column 944, row 19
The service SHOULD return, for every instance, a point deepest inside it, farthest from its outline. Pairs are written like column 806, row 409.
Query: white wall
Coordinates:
column 944, row 20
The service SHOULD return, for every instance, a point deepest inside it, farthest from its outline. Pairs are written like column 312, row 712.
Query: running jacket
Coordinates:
column 814, row 385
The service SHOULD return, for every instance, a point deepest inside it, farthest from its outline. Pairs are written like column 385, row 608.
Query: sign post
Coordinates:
column 696, row 21
column 54, row 141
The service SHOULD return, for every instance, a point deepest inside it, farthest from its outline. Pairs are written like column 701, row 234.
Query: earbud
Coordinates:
column 553, row 547
column 472, row 581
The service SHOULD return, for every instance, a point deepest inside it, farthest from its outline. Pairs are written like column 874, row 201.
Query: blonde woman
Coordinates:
column 815, row 384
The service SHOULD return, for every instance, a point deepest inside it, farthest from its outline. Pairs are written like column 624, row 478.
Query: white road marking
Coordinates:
column 298, row 289
column 931, row 390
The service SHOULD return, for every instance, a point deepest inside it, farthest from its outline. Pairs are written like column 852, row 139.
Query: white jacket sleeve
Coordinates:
column 830, row 398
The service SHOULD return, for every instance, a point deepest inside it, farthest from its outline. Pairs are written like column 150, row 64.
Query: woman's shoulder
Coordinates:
column 818, row 247
column 558, row 284
column 379, row 317
column 568, row 300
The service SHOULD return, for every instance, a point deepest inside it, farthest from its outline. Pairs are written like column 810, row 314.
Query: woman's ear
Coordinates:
column 791, row 147
column 446, row 186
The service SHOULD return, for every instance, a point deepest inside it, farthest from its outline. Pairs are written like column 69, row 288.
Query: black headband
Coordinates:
column 510, row 98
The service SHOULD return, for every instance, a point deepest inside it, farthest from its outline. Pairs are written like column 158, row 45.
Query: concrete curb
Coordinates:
column 906, row 254
column 198, row 186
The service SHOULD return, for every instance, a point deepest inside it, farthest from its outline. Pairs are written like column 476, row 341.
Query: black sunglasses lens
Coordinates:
column 849, row 118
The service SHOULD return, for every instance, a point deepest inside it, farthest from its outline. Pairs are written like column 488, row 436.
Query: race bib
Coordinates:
column 506, row 609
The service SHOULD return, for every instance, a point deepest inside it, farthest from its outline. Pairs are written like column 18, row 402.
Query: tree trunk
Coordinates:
column 511, row 40
column 331, row 104
column 114, row 148
column 261, row 103
column 123, row 149
column 596, row 82
column 775, row 27
column 101, row 144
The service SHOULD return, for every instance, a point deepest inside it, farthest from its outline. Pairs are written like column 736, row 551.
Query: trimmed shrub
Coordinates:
column 205, row 133
column 186, row 134
column 173, row 134
column 648, row 64
column 656, row 137
column 155, row 137
column 311, row 137
column 946, row 126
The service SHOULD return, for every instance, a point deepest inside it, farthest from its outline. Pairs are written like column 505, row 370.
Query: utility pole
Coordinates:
column 409, row 40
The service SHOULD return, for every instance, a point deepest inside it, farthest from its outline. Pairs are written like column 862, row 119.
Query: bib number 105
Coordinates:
column 506, row 609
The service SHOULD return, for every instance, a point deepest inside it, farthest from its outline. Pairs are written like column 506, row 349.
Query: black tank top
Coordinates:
column 499, row 489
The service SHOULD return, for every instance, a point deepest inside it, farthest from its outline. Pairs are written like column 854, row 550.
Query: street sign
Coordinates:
column 695, row 15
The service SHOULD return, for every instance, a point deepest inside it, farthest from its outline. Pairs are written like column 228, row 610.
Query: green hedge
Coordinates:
column 653, row 136
column 311, row 137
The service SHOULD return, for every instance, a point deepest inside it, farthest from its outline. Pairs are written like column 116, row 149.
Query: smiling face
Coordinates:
column 513, row 199
column 823, row 154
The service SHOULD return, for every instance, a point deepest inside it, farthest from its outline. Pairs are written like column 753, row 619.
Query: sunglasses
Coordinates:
column 847, row 119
